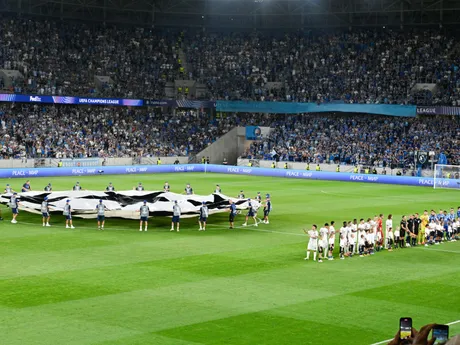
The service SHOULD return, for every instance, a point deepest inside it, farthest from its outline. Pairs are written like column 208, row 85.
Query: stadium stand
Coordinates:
column 354, row 67
column 75, row 132
column 354, row 139
column 79, row 132
column 61, row 58
column 378, row 66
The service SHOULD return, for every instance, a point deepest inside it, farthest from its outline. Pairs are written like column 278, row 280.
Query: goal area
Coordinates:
column 446, row 175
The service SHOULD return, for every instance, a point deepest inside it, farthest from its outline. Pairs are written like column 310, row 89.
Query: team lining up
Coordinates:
column 366, row 237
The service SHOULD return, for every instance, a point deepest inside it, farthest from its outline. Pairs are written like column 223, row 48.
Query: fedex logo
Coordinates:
column 35, row 99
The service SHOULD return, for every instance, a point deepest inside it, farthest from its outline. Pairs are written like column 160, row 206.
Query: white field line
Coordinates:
column 388, row 340
column 154, row 229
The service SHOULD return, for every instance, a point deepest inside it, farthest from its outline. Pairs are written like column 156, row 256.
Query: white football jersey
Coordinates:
column 389, row 224
column 331, row 235
column 323, row 233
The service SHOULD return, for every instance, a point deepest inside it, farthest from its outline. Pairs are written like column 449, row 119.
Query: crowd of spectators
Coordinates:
column 356, row 139
column 62, row 58
column 354, row 67
column 37, row 131
column 65, row 131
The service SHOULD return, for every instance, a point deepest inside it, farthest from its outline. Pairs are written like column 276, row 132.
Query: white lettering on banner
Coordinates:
column 18, row 173
column 33, row 172
column 425, row 182
column 99, row 101
column 142, row 169
column 356, row 178
column 442, row 183
column 292, row 173
column 131, row 170
column 90, row 171
column 372, row 178
column 35, row 99
column 233, row 170
column 307, row 174
column 78, row 171
column 179, row 169
column 247, row 171
column 190, row 168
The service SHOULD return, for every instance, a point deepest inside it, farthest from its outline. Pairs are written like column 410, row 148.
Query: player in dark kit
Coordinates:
column 232, row 210
column 267, row 209
column 416, row 228
column 251, row 213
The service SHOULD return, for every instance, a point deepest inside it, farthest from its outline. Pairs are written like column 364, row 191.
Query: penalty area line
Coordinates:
column 388, row 340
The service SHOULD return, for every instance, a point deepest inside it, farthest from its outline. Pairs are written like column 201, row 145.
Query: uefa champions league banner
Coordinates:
column 7, row 97
column 224, row 169
column 126, row 204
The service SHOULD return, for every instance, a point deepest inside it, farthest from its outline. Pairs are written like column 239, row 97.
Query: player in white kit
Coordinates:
column 312, row 242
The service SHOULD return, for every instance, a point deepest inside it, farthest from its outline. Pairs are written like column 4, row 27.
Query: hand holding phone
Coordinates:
column 405, row 327
column 441, row 333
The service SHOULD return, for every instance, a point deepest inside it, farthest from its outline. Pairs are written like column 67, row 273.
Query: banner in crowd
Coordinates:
column 256, row 132
column 224, row 169
column 438, row 110
column 7, row 97
column 253, row 133
column 190, row 104
column 298, row 108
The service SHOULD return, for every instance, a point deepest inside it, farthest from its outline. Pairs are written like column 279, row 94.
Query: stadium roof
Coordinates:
column 247, row 14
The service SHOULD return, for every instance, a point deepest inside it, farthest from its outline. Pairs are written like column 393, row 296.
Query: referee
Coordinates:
column 402, row 231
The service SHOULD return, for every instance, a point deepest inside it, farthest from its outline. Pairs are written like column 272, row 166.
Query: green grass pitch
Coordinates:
column 243, row 286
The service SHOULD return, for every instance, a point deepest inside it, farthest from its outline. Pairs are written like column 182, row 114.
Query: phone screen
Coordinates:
column 441, row 333
column 405, row 327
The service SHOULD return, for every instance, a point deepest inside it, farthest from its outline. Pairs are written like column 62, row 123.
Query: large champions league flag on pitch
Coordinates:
column 125, row 204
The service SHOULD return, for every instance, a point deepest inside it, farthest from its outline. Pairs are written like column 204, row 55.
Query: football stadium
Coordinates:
column 186, row 172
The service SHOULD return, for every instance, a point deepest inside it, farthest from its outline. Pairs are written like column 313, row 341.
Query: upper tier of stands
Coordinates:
column 378, row 66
